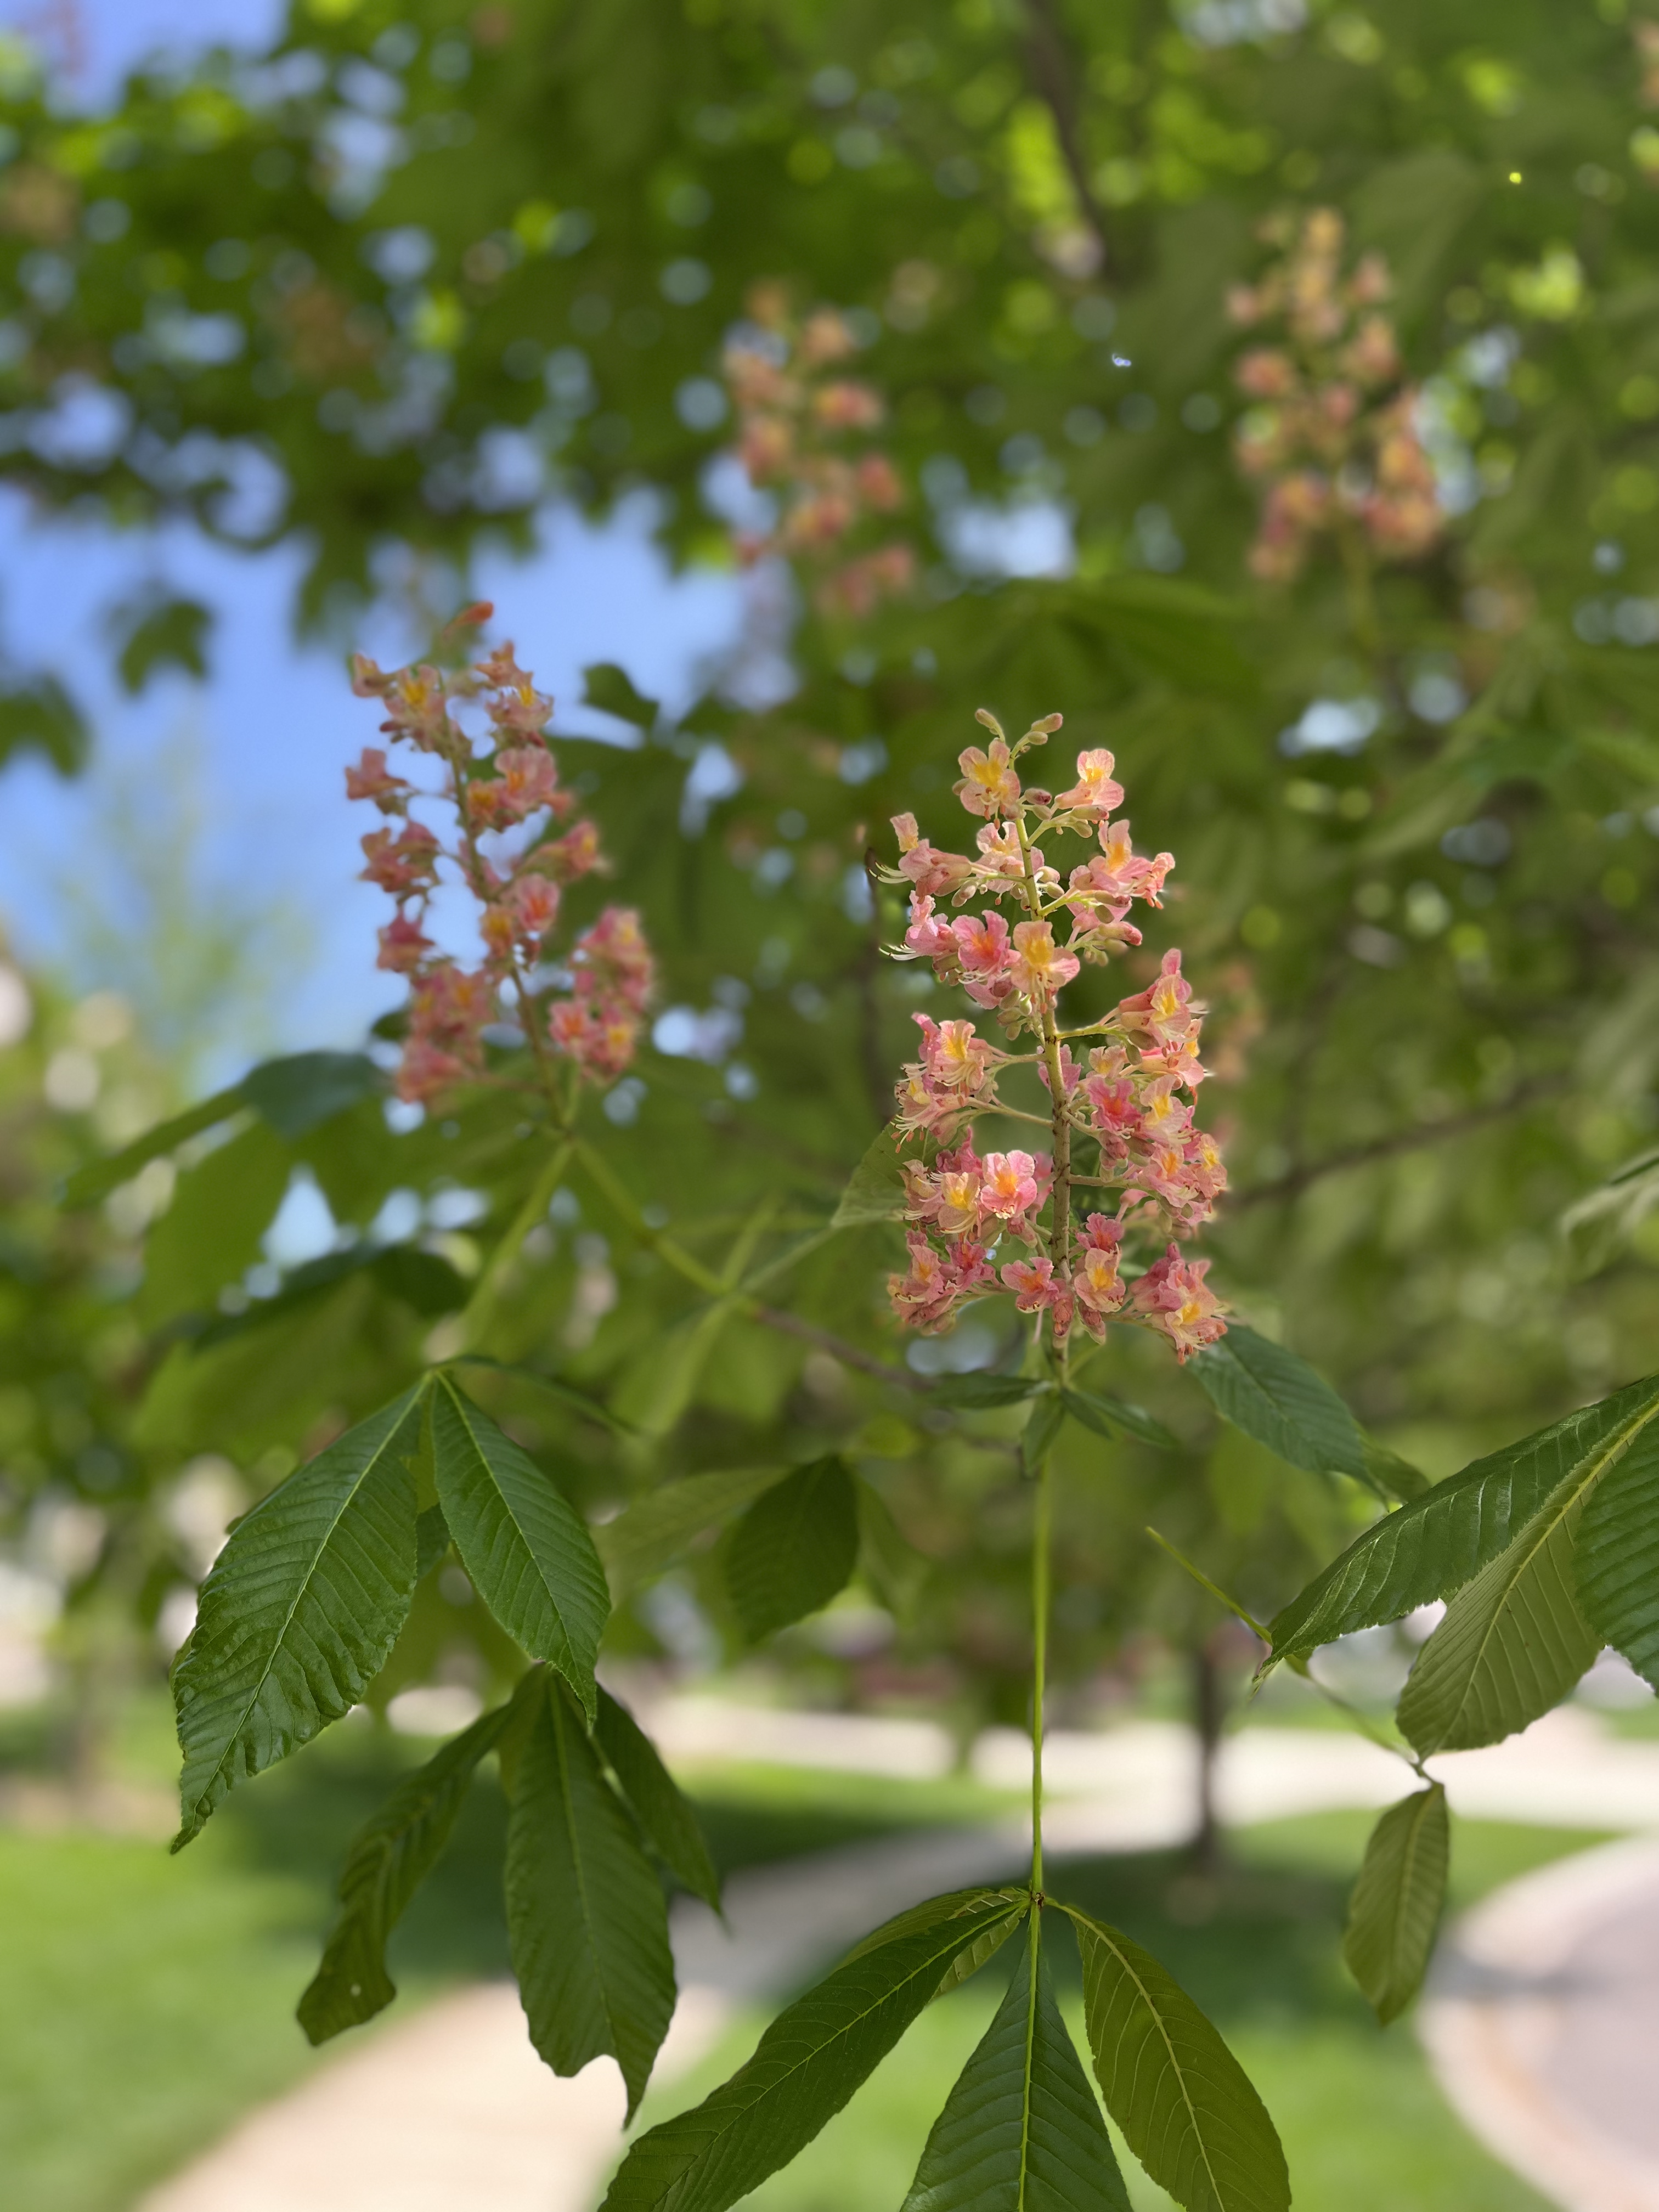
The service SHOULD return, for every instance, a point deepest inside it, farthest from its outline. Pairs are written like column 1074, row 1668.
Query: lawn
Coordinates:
column 146, row 2001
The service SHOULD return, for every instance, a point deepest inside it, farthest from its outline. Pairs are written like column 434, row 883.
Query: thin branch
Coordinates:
column 824, row 1339
column 1054, row 73
column 1403, row 1140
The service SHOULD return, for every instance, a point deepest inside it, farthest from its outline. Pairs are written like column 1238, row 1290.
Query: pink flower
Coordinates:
column 933, row 872
column 1014, row 1186
column 528, row 782
column 404, row 864
column 1095, row 1281
column 954, row 1054
column 988, row 785
column 928, row 939
column 612, row 959
column 1164, row 1013
column 369, row 779
column 1095, row 791
column 1030, row 1279
column 404, row 945
column 1173, row 1298
column 981, row 945
column 1114, row 1113
column 574, row 855
column 1040, row 966
column 520, row 707
column 847, row 406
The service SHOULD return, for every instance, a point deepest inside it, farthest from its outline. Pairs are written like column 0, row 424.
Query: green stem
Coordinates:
column 480, row 1309
column 1041, row 1536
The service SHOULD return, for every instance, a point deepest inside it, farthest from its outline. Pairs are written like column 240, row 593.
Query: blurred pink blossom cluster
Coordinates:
column 1129, row 1100
column 499, row 784
column 1332, row 436
column 798, row 416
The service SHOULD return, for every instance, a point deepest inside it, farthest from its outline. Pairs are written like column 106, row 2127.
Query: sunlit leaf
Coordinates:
column 300, row 1611
column 1616, row 1556
column 1279, row 1400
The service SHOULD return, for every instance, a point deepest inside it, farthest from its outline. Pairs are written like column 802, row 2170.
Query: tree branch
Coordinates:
column 1403, row 1140
column 1054, row 73
column 848, row 1354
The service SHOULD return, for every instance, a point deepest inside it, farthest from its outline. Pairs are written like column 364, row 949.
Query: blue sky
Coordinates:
column 263, row 745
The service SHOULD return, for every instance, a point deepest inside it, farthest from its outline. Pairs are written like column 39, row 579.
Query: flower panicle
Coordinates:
column 1332, row 434
column 516, row 842
column 1124, row 1107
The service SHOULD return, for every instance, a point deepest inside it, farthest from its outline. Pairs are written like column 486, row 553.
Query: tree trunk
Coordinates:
column 1209, row 1710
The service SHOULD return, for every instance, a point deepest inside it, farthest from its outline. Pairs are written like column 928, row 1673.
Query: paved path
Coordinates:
column 1542, row 2021
column 450, row 2107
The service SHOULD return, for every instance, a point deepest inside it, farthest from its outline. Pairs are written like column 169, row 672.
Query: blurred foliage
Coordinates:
column 387, row 289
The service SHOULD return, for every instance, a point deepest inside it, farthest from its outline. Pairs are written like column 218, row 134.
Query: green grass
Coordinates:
column 146, row 2002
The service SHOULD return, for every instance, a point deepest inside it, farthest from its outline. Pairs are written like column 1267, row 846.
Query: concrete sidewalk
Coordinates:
column 451, row 2109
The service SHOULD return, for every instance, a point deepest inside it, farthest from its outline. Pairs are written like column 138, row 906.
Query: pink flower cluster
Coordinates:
column 502, row 786
column 1130, row 1103
column 1333, row 435
column 793, row 420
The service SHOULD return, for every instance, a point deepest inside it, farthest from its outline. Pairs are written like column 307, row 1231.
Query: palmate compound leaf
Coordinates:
column 1512, row 1642
column 670, row 1824
column 810, row 2061
column 300, row 1611
column 794, row 1548
column 651, row 1534
column 1279, row 1400
column 1441, row 1541
column 1022, row 2129
column 528, row 1555
column 1182, row 2099
column 586, row 1913
column 390, row 1857
column 1616, row 1556
column 1396, row 1905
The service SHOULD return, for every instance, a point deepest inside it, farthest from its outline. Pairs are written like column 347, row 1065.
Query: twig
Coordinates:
column 849, row 1355
column 1054, row 73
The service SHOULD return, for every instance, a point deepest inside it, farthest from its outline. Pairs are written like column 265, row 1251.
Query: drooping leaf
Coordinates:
column 974, row 1393
column 423, row 1280
column 670, row 1824
column 892, row 1566
column 39, row 715
column 875, row 1191
column 298, row 1093
column 300, row 1611
column 1512, row 1644
column 1279, row 1400
column 1600, row 1225
column 1182, row 2099
column 99, row 1177
column 211, row 1234
column 653, row 1534
column 585, row 1912
column 1043, row 1424
column 1435, row 1545
column 529, row 1557
column 1616, row 1557
column 611, row 691
column 1021, row 2130
column 567, row 1394
column 1389, row 1474
column 1110, row 1417
column 390, row 1857
column 1396, row 1905
column 662, row 1381
column 810, row 2061
column 431, row 1540
column 794, row 1548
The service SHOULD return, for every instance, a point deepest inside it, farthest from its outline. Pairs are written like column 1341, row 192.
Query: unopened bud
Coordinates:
column 984, row 715
column 1047, row 726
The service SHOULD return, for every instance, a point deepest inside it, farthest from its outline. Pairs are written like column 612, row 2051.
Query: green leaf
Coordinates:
column 1600, row 1224
column 977, row 1393
column 1512, row 1644
column 1043, row 1424
column 891, row 1565
column 301, row 1610
column 1389, row 1474
column 1106, row 1415
column 1396, row 1901
column 611, row 691
column 793, row 1548
column 390, row 1857
column 810, row 2061
column 670, row 1824
column 297, row 1094
column 1021, row 2130
column 1616, row 1557
column 663, row 1381
column 172, row 634
column 585, row 1912
column 652, row 1534
column 431, row 1540
column 567, row 1394
column 1440, row 1540
column 210, row 1235
column 1180, row 2096
column 876, row 1189
column 423, row 1280
column 1281, row 1402
column 39, row 715
column 99, row 1177
column 530, row 1558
